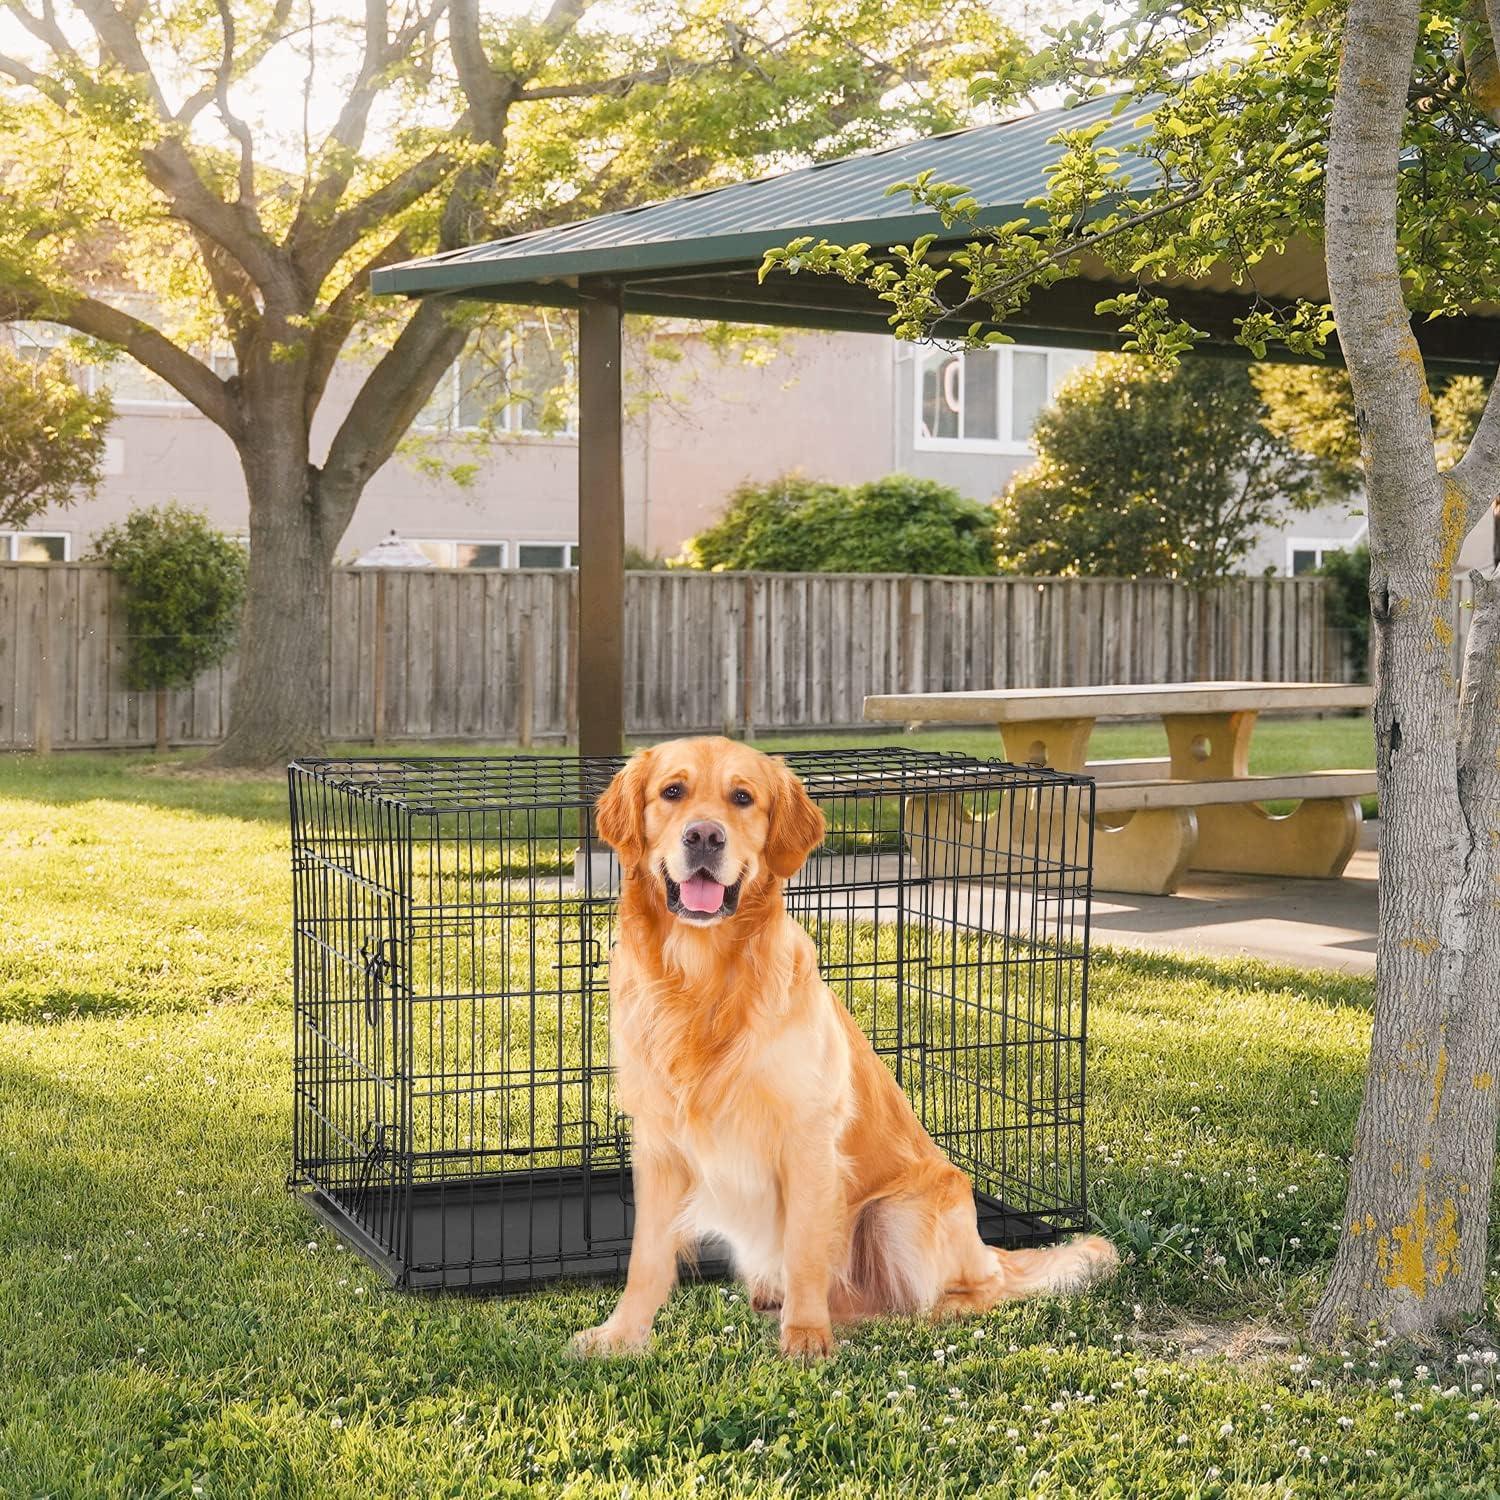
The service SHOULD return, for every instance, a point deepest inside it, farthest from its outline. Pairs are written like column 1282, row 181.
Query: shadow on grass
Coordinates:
column 1320, row 987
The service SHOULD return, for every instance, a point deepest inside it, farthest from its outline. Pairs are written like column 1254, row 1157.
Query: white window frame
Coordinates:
column 1321, row 545
column 508, row 418
column 570, row 551
column 465, row 541
column 93, row 378
column 1005, row 387
column 9, row 538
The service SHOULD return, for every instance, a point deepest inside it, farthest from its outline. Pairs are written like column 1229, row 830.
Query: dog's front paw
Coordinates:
column 608, row 1338
column 806, row 1340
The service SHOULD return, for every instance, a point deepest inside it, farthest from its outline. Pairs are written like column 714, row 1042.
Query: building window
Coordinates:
column 518, row 382
column 451, row 554
column 988, row 400
column 35, row 546
column 130, row 383
column 546, row 554
column 1304, row 557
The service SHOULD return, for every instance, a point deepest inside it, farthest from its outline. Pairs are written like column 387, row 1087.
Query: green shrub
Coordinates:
column 184, row 585
column 1144, row 472
column 893, row 525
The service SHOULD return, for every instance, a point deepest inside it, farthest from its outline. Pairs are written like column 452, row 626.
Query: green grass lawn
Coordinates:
column 172, row 1323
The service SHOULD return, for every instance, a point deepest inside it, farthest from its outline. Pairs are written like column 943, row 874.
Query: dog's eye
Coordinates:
column 671, row 791
column 740, row 797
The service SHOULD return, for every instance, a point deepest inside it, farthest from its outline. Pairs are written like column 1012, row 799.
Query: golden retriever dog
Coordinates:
column 762, row 1114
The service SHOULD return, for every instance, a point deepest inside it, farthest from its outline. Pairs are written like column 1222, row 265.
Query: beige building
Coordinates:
column 841, row 407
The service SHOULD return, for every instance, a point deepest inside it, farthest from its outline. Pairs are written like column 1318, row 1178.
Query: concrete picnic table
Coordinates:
column 1150, row 829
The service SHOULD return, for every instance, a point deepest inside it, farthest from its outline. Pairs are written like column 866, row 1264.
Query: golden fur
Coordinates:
column 761, row 1113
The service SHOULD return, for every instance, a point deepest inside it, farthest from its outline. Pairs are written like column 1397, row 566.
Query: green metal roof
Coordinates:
column 1003, row 165
column 699, row 256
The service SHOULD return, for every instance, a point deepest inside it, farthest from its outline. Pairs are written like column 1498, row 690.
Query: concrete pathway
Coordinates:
column 1310, row 924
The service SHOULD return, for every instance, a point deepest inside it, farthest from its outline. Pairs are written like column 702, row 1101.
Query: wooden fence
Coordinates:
column 492, row 655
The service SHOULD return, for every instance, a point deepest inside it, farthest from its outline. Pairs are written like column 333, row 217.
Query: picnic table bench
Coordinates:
column 1154, row 820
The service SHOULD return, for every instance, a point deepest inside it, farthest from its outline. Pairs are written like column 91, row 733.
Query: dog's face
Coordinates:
column 707, row 820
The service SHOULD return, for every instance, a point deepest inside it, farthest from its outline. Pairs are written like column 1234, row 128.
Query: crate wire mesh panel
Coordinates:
column 455, row 1114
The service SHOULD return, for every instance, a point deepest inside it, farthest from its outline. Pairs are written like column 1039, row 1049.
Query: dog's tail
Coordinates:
column 1068, row 1267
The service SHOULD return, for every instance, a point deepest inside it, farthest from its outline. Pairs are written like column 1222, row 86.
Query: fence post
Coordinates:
column 42, row 729
column 729, row 688
column 747, row 662
column 377, row 664
column 526, row 683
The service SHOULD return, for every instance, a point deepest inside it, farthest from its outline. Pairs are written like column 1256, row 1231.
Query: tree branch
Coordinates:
column 1477, row 473
column 232, row 122
column 336, row 322
column 618, row 86
column 393, row 393
column 170, row 168
column 378, row 208
column 189, row 377
column 489, row 94
column 1385, row 365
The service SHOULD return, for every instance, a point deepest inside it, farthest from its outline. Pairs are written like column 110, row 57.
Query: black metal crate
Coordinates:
column 455, row 1113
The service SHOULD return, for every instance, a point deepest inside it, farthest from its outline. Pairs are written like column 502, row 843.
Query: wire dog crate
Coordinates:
column 455, row 1115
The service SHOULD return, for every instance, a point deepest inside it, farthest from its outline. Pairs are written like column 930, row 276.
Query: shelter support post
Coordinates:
column 601, row 525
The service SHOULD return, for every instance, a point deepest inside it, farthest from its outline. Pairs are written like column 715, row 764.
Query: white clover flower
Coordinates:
column 1226, row 1428
column 1304, row 1452
column 336, row 1422
column 1213, row 1474
column 756, row 1445
column 1182, row 1440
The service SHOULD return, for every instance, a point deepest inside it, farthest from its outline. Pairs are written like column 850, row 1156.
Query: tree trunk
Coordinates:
column 1416, row 1220
column 277, row 712
column 1411, row 1256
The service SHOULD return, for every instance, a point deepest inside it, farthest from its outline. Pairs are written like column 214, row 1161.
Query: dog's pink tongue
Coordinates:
column 702, row 894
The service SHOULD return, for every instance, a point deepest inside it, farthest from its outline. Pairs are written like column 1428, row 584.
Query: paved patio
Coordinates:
column 1311, row 924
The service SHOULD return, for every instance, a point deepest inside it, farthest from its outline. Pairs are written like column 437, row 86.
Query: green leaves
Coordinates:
column 892, row 525
column 1153, row 471
column 184, row 584
column 51, row 436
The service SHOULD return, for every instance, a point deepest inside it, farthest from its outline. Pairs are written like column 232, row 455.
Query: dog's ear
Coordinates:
column 621, row 810
column 796, row 826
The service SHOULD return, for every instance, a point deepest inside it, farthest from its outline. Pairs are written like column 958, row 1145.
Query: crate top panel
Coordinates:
column 446, row 784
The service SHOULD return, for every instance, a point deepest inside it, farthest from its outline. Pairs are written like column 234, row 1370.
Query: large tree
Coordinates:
column 1371, row 128
column 1150, row 472
column 250, row 162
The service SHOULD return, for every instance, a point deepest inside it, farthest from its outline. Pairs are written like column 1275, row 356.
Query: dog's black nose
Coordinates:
column 704, row 838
